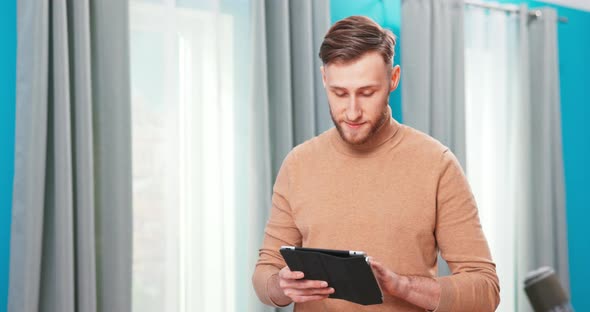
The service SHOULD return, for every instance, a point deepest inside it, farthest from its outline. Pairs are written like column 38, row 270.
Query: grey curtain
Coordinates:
column 542, row 234
column 298, row 107
column 546, row 215
column 432, row 65
column 71, row 224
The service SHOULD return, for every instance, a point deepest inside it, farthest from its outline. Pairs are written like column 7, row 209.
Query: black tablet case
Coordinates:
column 350, row 276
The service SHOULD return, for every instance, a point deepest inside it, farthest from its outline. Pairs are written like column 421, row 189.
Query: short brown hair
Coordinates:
column 354, row 36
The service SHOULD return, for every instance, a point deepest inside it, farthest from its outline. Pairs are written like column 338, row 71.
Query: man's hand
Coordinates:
column 299, row 290
column 421, row 291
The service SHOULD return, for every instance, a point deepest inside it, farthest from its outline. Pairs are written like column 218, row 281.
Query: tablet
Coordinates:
column 347, row 271
column 333, row 252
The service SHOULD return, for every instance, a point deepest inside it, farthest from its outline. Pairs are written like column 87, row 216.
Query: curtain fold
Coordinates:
column 29, row 174
column 541, row 208
column 548, row 205
column 298, row 106
column 83, row 153
column 70, row 245
column 521, row 166
column 260, row 166
column 431, row 43
column 109, row 37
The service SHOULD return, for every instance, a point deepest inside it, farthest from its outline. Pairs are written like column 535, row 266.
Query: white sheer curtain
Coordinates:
column 495, row 135
column 196, row 148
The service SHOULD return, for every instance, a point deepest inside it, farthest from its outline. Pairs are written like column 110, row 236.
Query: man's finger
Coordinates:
column 300, row 299
column 302, row 284
column 293, row 292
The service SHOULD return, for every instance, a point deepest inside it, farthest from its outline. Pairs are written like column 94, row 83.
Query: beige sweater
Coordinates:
column 401, row 200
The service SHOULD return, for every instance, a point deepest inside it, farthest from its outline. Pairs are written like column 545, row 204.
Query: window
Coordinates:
column 183, row 157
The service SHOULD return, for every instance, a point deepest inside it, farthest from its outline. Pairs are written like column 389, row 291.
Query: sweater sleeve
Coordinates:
column 474, row 285
column 280, row 231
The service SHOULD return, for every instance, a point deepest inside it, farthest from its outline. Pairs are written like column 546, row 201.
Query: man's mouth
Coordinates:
column 354, row 125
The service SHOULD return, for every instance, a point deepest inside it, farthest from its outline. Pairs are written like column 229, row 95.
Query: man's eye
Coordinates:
column 368, row 94
column 341, row 94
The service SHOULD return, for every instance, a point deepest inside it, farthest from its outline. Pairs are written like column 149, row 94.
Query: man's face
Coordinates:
column 358, row 93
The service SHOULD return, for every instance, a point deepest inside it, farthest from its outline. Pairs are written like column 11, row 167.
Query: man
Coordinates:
column 375, row 185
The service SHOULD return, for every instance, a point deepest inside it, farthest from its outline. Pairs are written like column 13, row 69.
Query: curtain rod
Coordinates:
column 509, row 8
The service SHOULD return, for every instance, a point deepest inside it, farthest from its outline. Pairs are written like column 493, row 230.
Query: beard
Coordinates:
column 374, row 127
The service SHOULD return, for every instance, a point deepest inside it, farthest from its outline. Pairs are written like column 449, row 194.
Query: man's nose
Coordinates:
column 353, row 111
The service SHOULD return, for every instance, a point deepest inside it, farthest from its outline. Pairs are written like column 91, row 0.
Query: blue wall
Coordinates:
column 574, row 48
column 7, row 107
column 392, row 21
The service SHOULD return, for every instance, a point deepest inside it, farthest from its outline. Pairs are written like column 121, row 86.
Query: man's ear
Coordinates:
column 395, row 76
column 322, row 70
